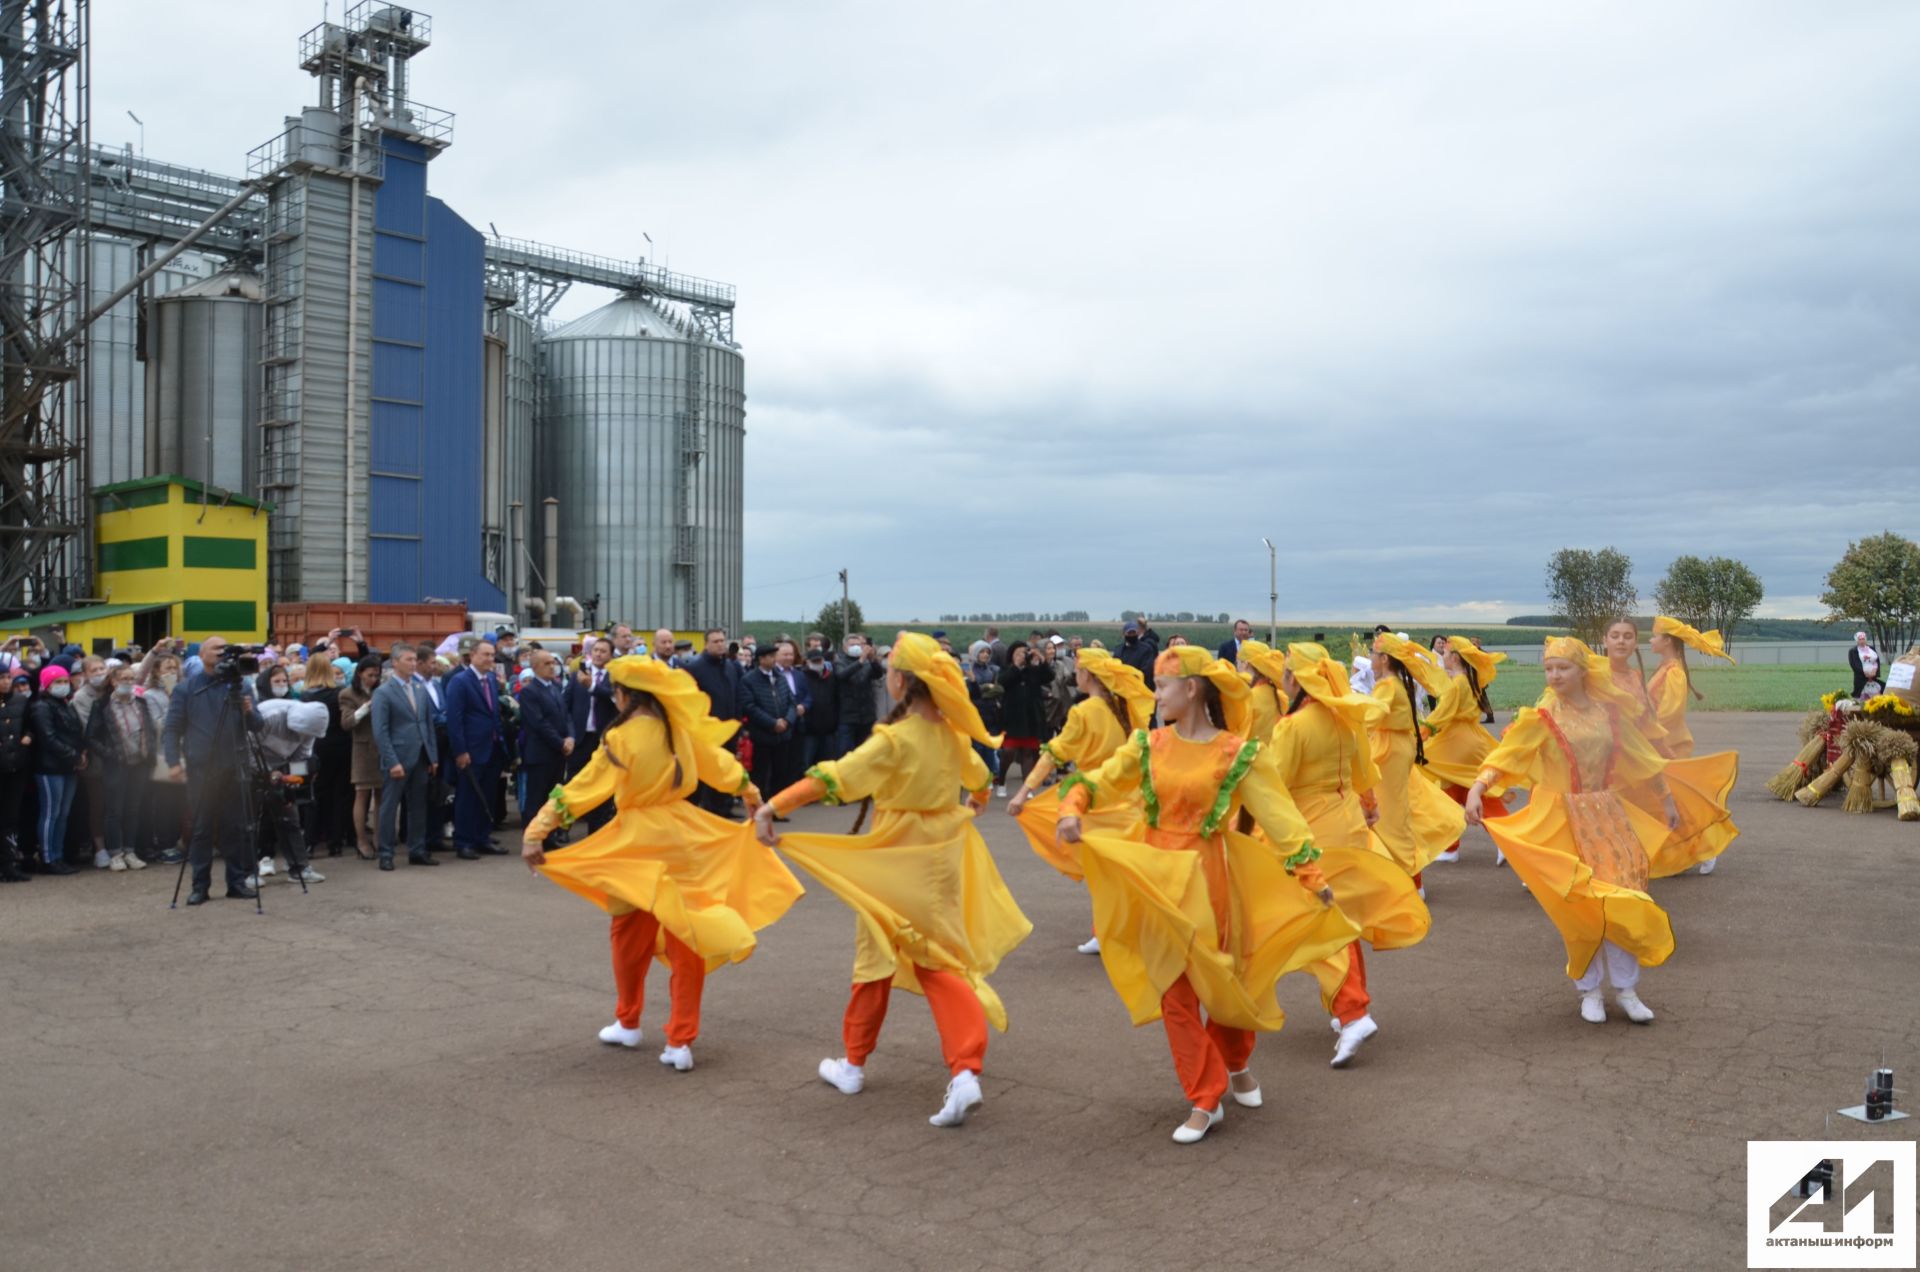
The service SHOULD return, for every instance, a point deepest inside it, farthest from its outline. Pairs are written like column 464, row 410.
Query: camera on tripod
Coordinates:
column 236, row 662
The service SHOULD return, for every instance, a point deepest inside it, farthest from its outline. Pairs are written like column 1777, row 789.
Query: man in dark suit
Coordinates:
column 473, row 735
column 403, row 734
column 204, row 746
column 590, row 711
column 772, row 718
column 547, row 733
column 1229, row 650
column 430, row 681
column 786, row 662
column 718, row 674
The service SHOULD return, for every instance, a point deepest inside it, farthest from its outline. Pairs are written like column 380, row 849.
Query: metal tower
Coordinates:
column 44, row 185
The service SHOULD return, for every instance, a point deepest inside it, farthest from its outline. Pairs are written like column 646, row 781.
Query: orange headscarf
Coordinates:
column 1191, row 660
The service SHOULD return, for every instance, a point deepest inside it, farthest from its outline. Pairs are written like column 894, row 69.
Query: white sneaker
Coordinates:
column 132, row 861
column 999, row 792
column 963, row 1097
column 1090, row 946
column 1706, row 867
column 843, row 1077
column 309, row 875
column 1638, row 1012
column 266, row 867
column 1592, row 1009
column 119, row 862
column 102, row 860
column 1248, row 1099
column 253, row 881
column 1198, row 1123
column 618, row 1035
column 1451, row 854
column 680, row 1058
column 1499, row 858
column 1351, row 1036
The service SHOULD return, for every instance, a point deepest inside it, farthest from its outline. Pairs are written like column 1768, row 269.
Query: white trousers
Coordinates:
column 1620, row 967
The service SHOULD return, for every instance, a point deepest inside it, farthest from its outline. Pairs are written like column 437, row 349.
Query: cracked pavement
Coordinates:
column 400, row 1071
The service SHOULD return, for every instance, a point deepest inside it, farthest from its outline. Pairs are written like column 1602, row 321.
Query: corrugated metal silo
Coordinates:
column 116, row 383
column 203, row 391
column 643, row 426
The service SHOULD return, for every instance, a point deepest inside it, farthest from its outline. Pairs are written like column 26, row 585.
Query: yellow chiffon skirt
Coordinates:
column 1039, row 820
column 1584, row 860
column 1455, row 754
column 707, row 880
column 1417, row 820
column 1701, row 786
column 924, row 892
column 1157, row 921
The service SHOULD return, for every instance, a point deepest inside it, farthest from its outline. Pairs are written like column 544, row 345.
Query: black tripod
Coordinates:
column 256, row 775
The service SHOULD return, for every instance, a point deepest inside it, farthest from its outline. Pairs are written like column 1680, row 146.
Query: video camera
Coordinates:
column 236, row 662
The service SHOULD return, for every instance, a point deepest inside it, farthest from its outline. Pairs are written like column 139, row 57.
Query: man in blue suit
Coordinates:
column 473, row 735
column 546, row 739
column 1229, row 650
column 590, row 710
column 772, row 720
column 205, row 746
column 403, row 734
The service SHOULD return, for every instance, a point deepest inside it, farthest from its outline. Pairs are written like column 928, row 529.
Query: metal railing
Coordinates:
column 606, row 271
column 295, row 146
column 429, row 124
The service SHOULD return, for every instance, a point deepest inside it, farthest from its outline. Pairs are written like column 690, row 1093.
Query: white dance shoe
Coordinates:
column 1247, row 1096
column 845, row 1078
column 1089, row 946
column 1451, row 854
column 680, row 1058
column 1638, row 1012
column 618, row 1035
column 1706, row 867
column 1592, row 1009
column 963, row 1097
column 1195, row 1128
column 1351, row 1036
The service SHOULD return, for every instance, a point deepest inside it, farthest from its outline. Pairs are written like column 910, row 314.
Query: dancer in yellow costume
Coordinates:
column 1117, row 702
column 676, row 879
column 1701, row 786
column 1192, row 915
column 932, row 915
column 1417, row 821
column 1581, row 847
column 1322, row 752
column 1457, row 743
column 1263, row 700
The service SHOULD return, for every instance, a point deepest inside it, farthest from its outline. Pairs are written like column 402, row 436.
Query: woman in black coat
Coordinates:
column 16, row 770
column 1023, row 704
column 60, row 756
column 332, row 763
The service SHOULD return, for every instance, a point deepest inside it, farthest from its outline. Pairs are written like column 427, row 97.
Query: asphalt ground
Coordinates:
column 400, row 1071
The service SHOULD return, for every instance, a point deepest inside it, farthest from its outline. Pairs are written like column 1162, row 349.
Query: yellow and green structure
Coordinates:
column 174, row 557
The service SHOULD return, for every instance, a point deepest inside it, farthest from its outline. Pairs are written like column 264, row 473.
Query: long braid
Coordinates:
column 1216, row 711
column 1479, row 694
column 1115, row 705
column 1680, row 653
column 1406, row 680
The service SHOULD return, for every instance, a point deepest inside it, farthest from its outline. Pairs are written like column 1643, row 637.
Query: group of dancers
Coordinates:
column 1277, row 820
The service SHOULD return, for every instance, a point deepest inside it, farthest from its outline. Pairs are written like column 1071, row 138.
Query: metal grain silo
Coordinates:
column 116, row 383
column 642, row 425
column 203, row 382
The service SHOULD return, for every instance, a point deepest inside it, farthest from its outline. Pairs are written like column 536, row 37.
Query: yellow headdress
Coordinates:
column 1123, row 682
column 1708, row 643
column 689, row 712
column 923, row 656
column 1191, row 660
column 1599, row 672
column 1263, row 658
column 1325, row 681
column 1418, row 662
column 1483, row 663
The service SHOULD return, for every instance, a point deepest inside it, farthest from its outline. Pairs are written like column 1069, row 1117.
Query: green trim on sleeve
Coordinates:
column 819, row 773
column 1046, row 749
column 1148, row 796
column 746, row 780
column 558, row 797
column 1307, row 853
column 1072, row 780
column 1230, row 783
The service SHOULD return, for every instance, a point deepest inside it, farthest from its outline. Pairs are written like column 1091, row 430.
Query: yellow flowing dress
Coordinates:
column 1701, row 785
column 1187, row 896
column 1090, row 736
column 1417, row 821
column 1582, row 849
column 1263, row 711
column 1457, row 743
column 707, row 880
column 921, row 884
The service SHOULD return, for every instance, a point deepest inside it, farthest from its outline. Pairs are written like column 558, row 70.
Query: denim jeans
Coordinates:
column 56, row 801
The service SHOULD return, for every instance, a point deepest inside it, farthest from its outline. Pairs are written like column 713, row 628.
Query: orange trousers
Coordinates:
column 1351, row 1000
column 957, row 1014
column 633, row 936
column 1204, row 1051
column 1490, row 806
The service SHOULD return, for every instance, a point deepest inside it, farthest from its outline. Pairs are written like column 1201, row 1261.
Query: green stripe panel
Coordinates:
column 210, row 553
column 134, row 554
column 222, row 617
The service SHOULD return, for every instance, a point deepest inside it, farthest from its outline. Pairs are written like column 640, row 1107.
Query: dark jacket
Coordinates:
column 580, row 697
column 544, row 723
column 1025, row 698
column 105, row 743
column 15, row 757
column 823, row 688
column 983, row 687
column 856, row 677
column 200, row 725
column 337, row 744
column 765, row 700
column 1139, row 654
column 473, row 724
column 719, row 679
column 58, row 740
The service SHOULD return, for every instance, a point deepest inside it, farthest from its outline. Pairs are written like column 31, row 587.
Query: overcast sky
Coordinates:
column 1052, row 306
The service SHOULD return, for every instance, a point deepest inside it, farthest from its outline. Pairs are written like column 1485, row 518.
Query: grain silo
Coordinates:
column 203, row 382
column 642, row 425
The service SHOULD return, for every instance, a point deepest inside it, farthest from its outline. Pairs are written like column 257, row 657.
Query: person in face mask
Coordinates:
column 59, row 752
column 272, row 683
column 16, row 763
column 858, row 672
column 121, row 742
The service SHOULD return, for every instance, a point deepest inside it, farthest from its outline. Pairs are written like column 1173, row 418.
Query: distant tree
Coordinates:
column 1877, row 585
column 1717, row 593
column 1591, row 588
column 831, row 622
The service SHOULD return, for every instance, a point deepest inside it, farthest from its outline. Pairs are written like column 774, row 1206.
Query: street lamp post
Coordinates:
column 1273, row 591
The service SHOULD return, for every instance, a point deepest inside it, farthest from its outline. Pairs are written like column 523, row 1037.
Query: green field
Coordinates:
column 1759, row 688
column 1208, row 634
